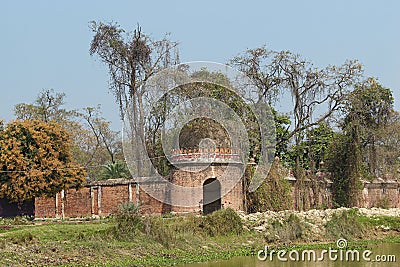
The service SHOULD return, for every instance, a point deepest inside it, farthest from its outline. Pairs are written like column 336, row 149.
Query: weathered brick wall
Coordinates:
column 150, row 205
column 102, row 198
column 311, row 194
column 234, row 199
column 45, row 207
column 77, row 203
column 111, row 197
column 380, row 194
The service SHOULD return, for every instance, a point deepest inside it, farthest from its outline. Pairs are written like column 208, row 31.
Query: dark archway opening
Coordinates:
column 211, row 196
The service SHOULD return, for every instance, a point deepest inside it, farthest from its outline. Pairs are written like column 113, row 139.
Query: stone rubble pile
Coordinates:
column 314, row 219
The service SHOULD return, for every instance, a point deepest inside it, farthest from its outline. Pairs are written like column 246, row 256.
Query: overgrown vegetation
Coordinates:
column 174, row 230
column 274, row 194
column 286, row 231
column 130, row 239
column 346, row 225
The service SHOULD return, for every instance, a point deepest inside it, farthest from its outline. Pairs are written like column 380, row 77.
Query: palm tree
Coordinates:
column 114, row 170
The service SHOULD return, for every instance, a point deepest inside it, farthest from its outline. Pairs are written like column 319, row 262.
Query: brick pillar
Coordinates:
column 137, row 194
column 99, row 200
column 130, row 192
column 62, row 197
column 92, row 200
column 56, row 206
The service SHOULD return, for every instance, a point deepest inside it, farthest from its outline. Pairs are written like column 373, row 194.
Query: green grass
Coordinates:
column 161, row 241
column 97, row 243
column 391, row 222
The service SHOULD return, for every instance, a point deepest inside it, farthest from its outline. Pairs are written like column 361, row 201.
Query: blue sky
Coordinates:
column 44, row 44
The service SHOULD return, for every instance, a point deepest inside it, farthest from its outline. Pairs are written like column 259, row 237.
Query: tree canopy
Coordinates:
column 93, row 143
column 36, row 160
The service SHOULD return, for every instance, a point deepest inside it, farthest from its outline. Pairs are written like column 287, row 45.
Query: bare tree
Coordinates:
column 132, row 58
column 317, row 94
column 104, row 136
column 284, row 73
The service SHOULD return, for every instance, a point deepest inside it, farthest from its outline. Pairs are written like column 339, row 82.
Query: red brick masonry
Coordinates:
column 101, row 198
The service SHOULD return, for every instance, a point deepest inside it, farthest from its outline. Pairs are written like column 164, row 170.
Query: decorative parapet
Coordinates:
column 124, row 181
column 206, row 155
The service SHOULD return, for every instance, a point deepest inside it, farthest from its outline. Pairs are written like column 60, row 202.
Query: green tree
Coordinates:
column 310, row 88
column 35, row 160
column 353, row 154
column 282, row 124
column 114, row 170
column 47, row 107
column 93, row 143
column 312, row 150
column 369, row 109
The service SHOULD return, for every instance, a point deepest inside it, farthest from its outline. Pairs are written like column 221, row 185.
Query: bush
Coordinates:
column 288, row 230
column 346, row 225
column 383, row 202
column 23, row 238
column 222, row 222
column 170, row 230
column 18, row 220
column 128, row 220
column 156, row 228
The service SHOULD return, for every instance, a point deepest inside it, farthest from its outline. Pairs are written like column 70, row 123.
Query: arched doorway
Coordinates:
column 211, row 195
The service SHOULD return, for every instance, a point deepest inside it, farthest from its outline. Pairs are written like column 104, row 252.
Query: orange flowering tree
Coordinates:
column 35, row 160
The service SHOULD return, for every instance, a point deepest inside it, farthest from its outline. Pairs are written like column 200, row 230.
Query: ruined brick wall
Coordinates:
column 45, row 207
column 102, row 198
column 150, row 205
column 380, row 194
column 77, row 203
column 112, row 196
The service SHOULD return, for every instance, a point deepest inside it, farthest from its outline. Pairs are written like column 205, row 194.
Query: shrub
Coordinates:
column 156, row 228
column 168, row 231
column 23, row 238
column 383, row 202
column 128, row 220
column 288, row 230
column 18, row 220
column 346, row 225
column 222, row 222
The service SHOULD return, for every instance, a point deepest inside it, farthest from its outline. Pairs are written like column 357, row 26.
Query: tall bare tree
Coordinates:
column 283, row 73
column 132, row 58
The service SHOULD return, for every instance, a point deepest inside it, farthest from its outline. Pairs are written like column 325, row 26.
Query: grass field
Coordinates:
column 152, row 241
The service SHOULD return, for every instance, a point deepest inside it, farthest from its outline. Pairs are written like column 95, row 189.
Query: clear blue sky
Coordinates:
column 44, row 44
